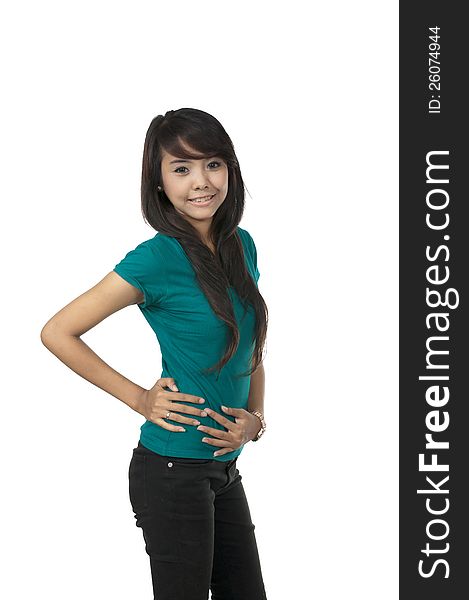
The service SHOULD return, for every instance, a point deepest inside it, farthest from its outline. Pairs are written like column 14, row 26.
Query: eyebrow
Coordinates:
column 186, row 161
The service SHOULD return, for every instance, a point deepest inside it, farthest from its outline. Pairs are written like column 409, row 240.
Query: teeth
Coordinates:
column 204, row 199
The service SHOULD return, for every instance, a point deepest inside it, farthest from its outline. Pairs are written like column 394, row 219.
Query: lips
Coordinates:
column 208, row 197
column 201, row 202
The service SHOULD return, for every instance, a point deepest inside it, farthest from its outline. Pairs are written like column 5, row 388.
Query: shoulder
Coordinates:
column 244, row 235
column 163, row 243
column 250, row 252
column 157, row 245
column 147, row 255
column 247, row 240
column 145, row 268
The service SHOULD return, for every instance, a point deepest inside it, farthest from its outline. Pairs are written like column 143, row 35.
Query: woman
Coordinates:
column 195, row 282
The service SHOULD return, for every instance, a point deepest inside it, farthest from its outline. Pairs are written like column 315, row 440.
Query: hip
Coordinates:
column 185, row 444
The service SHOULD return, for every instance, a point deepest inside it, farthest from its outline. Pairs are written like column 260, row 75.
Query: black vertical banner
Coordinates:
column 433, row 260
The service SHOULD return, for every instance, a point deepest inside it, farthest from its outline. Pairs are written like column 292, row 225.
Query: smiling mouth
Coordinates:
column 202, row 200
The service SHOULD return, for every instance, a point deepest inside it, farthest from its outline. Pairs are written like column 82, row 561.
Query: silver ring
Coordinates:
column 167, row 414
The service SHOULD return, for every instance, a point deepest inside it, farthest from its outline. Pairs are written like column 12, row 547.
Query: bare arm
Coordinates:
column 257, row 390
column 61, row 335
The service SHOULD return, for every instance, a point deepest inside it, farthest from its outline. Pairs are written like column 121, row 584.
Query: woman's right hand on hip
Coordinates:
column 155, row 404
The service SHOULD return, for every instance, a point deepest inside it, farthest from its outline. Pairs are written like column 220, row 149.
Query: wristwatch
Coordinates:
column 263, row 424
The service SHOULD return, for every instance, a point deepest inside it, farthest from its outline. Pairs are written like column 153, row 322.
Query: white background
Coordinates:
column 308, row 93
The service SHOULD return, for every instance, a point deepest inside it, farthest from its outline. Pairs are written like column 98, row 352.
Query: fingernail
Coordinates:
column 201, row 400
column 196, row 423
column 207, row 410
column 175, row 387
column 224, row 407
column 181, row 429
column 203, row 414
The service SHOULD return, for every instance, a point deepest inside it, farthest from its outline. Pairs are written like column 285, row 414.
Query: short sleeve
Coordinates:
column 252, row 251
column 143, row 267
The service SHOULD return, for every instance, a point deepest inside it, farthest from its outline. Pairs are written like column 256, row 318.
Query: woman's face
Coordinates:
column 184, row 180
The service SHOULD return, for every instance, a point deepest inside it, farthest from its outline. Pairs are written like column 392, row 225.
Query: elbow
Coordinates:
column 49, row 333
column 46, row 334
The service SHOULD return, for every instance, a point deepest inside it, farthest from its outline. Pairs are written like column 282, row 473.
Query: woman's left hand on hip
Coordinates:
column 244, row 429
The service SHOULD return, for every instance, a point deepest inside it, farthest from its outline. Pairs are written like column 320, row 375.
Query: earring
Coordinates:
column 159, row 188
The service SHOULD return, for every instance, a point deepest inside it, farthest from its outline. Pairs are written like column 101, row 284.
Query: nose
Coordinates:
column 201, row 179
column 201, row 186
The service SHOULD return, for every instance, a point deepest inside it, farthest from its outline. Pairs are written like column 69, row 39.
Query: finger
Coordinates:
column 224, row 451
column 191, row 410
column 168, row 382
column 174, row 416
column 185, row 397
column 236, row 412
column 217, row 442
column 168, row 426
column 223, row 435
column 221, row 419
column 180, row 419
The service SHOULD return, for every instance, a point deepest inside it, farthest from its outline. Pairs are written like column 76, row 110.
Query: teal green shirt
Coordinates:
column 191, row 338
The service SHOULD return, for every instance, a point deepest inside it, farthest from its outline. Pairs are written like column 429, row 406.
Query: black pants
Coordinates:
column 197, row 527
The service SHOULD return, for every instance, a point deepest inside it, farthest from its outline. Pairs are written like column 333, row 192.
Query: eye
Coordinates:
column 217, row 164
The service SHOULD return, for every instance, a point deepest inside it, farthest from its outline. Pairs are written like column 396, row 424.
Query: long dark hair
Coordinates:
column 215, row 272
